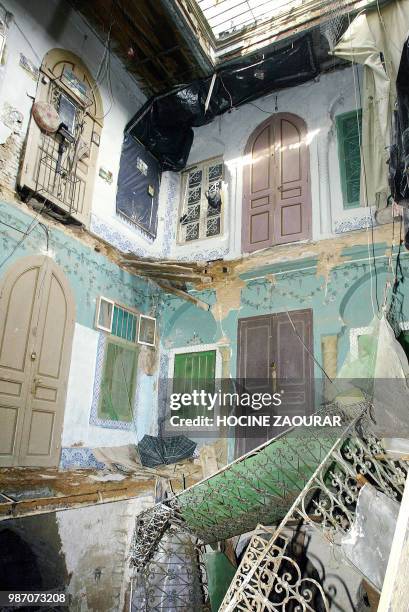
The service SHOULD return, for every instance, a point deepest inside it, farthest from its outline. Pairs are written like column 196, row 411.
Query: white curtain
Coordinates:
column 382, row 30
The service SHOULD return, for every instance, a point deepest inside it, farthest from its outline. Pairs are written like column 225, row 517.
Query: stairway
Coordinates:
column 311, row 476
column 269, row 577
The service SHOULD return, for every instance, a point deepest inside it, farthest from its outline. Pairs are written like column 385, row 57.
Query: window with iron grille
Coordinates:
column 201, row 211
column 118, row 320
column 118, row 381
column 349, row 130
column 120, row 361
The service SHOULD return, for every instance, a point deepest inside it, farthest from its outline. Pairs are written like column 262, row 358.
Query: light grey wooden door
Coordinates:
column 37, row 317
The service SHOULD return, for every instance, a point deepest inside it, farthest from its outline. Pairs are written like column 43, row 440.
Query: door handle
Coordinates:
column 280, row 188
column 36, row 382
column 273, row 371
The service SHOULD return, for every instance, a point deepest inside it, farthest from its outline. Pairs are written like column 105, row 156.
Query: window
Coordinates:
column 118, row 320
column 147, row 330
column 349, row 130
column 124, row 323
column 202, row 201
column 118, row 382
column 194, row 371
column 61, row 165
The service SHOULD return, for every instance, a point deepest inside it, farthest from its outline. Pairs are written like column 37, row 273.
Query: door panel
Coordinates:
column 19, row 309
column 258, row 192
column 17, row 321
column 254, row 337
column 269, row 344
column 293, row 204
column 32, row 398
column 276, row 191
column 55, row 321
column 294, row 364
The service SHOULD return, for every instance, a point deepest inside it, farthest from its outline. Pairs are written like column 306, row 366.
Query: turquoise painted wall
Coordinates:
column 339, row 303
column 89, row 273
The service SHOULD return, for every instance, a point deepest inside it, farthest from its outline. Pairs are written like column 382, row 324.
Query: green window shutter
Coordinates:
column 118, row 381
column 194, row 371
column 348, row 133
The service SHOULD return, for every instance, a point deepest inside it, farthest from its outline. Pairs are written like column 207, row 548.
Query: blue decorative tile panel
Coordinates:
column 354, row 223
column 119, row 239
column 73, row 457
column 99, row 366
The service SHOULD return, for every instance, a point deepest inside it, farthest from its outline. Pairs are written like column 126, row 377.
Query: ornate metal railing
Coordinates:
column 173, row 577
column 311, row 478
column 269, row 576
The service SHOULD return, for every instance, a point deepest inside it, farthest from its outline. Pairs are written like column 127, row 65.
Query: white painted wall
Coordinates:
column 40, row 26
column 77, row 430
column 317, row 102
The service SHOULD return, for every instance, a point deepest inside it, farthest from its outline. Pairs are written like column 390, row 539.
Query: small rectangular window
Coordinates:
column 118, row 320
column 118, row 381
column 147, row 330
column 105, row 312
column 124, row 323
column 349, row 130
column 202, row 201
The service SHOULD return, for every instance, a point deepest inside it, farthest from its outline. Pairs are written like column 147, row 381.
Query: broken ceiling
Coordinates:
column 168, row 43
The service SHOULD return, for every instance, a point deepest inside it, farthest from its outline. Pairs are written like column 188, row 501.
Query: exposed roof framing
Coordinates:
column 240, row 27
column 144, row 36
column 169, row 43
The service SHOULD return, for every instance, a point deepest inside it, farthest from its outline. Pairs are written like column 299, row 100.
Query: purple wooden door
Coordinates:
column 259, row 190
column 268, row 344
column 276, row 189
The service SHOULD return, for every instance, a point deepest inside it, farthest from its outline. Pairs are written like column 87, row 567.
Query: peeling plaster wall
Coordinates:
column 335, row 278
column 317, row 102
column 90, row 274
column 36, row 28
column 95, row 542
column 83, row 551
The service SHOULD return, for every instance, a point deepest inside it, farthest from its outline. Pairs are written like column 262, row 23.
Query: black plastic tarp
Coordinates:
column 138, row 185
column 164, row 124
column 399, row 152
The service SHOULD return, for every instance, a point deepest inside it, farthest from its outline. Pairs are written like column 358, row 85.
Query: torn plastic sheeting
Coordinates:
column 375, row 39
column 391, row 388
column 399, row 152
column 368, row 543
column 138, row 172
column 164, row 124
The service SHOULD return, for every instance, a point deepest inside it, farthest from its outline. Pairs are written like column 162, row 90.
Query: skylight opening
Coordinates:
column 228, row 17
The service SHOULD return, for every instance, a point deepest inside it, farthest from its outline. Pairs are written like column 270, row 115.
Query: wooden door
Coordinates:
column 36, row 329
column 276, row 189
column 271, row 358
column 66, row 179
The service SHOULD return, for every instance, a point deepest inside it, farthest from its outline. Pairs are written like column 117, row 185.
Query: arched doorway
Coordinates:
column 37, row 316
column 60, row 166
column 276, row 184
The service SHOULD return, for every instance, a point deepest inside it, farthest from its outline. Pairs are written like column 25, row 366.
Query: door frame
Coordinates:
column 240, row 442
column 46, row 266
column 302, row 126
